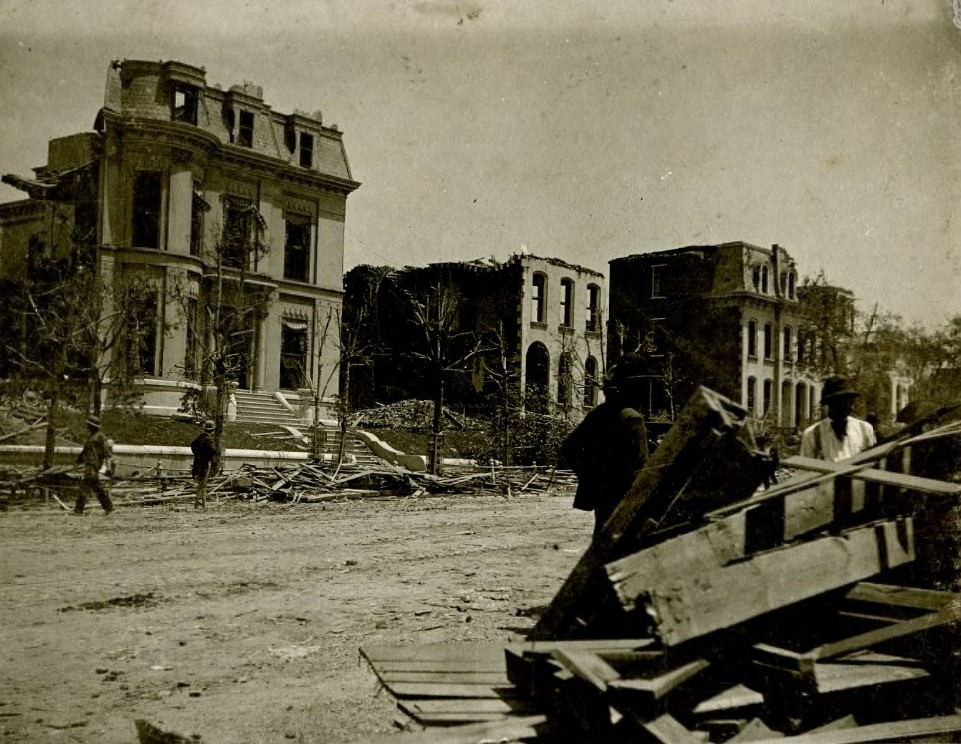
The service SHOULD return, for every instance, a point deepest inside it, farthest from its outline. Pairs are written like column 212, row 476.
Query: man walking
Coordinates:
column 609, row 446
column 840, row 436
column 94, row 454
column 204, row 455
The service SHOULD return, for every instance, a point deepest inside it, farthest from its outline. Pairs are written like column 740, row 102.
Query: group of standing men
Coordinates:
column 609, row 447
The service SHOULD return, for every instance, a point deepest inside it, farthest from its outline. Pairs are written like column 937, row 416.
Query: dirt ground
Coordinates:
column 243, row 624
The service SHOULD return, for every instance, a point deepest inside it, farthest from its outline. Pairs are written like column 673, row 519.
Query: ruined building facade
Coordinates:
column 530, row 327
column 726, row 316
column 222, row 205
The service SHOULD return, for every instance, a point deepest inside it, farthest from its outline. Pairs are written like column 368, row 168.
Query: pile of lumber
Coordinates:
column 709, row 610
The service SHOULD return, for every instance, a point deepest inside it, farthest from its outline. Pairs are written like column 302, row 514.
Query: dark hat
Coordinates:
column 836, row 387
column 630, row 366
column 93, row 421
column 209, row 425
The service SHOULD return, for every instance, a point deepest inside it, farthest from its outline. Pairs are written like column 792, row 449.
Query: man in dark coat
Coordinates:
column 609, row 446
column 205, row 453
column 94, row 454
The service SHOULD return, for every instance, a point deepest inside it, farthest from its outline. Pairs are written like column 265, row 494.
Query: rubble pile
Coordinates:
column 708, row 610
column 410, row 414
column 299, row 483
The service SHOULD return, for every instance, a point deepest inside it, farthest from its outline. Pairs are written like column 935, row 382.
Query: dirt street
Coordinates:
column 242, row 624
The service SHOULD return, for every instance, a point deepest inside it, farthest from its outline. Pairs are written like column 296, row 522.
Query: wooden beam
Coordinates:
column 691, row 603
column 949, row 614
column 691, row 446
column 875, row 475
column 645, row 694
column 948, row 727
column 666, row 729
column 901, row 596
column 521, row 728
column 587, row 666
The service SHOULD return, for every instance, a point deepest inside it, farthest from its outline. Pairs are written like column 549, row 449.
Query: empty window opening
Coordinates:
column 245, row 132
column 306, row 150
column 297, row 247
column 147, row 194
column 593, row 323
column 567, row 302
column 183, row 105
column 538, row 297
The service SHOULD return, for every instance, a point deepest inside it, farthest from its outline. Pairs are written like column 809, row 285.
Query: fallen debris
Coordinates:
column 711, row 611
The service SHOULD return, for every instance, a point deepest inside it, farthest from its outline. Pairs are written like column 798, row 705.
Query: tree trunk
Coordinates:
column 50, row 440
column 437, row 429
column 344, row 412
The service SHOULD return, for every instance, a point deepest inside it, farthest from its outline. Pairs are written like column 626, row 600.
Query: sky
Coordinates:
column 581, row 130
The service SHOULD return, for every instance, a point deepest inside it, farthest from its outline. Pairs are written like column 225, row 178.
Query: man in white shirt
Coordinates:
column 840, row 436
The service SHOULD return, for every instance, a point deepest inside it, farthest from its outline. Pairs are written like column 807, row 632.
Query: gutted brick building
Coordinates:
column 534, row 324
column 726, row 316
column 205, row 193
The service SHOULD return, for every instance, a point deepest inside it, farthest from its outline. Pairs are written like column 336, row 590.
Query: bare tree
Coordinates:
column 443, row 346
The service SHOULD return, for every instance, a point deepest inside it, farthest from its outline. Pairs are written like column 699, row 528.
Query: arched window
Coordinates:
column 590, row 381
column 538, row 298
column 791, row 284
column 756, row 278
column 752, row 339
column 536, row 369
column 751, row 402
column 764, row 280
column 787, row 343
column 768, row 341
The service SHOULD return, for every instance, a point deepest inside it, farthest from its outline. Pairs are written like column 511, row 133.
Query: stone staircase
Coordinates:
column 263, row 408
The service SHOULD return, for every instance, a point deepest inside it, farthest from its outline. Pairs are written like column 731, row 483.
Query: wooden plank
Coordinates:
column 490, row 679
column 736, row 697
column 876, row 475
column 644, row 694
column 838, row 677
column 481, row 666
column 514, row 728
column 705, row 421
column 443, row 690
column 754, row 730
column 915, row 729
column 666, row 729
column 949, row 614
column 901, row 596
column 587, row 666
column 686, row 607
column 466, row 650
column 464, row 705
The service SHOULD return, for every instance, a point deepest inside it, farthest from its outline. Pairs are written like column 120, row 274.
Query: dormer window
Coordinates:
column 245, row 130
column 306, row 150
column 183, row 104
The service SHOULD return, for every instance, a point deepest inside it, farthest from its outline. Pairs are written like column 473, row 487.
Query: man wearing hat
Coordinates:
column 204, row 455
column 609, row 446
column 840, row 436
column 94, row 454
